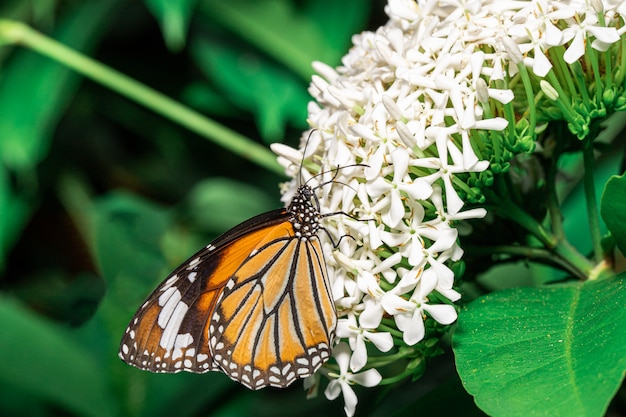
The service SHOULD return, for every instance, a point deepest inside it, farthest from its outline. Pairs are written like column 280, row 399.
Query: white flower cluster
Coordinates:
column 407, row 103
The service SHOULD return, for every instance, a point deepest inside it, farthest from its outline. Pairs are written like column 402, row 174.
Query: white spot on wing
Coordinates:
column 193, row 263
column 168, row 338
column 177, row 354
column 169, row 300
column 183, row 340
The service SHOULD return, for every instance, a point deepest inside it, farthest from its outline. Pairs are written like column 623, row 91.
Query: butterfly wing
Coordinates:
column 275, row 320
column 170, row 331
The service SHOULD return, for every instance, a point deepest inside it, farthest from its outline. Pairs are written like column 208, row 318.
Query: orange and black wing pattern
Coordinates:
column 255, row 304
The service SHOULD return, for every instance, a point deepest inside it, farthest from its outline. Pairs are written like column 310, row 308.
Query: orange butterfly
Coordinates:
column 255, row 304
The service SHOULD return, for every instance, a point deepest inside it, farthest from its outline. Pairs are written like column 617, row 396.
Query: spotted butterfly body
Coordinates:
column 255, row 304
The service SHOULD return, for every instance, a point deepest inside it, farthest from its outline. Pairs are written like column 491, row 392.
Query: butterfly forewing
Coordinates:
column 169, row 332
column 256, row 304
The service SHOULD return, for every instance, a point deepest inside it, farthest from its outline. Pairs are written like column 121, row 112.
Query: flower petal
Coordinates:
column 369, row 378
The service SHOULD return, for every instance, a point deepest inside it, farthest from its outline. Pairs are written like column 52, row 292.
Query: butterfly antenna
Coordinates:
column 306, row 145
column 336, row 173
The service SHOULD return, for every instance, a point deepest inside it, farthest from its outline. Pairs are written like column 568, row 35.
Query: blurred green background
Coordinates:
column 101, row 198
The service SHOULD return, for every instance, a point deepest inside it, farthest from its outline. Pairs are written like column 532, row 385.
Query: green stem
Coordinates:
column 554, row 210
column 579, row 265
column 590, row 196
column 396, row 378
column 564, row 101
column 577, row 261
column 18, row 33
column 562, row 69
column 606, row 59
column 527, row 253
column 598, row 83
column 508, row 209
column 528, row 89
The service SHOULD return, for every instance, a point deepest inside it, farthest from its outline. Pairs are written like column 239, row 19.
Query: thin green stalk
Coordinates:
column 606, row 58
column 598, row 83
column 517, row 251
column 507, row 208
column 554, row 210
column 560, row 247
column 531, row 113
column 590, row 196
column 18, row 33
column 396, row 378
column 561, row 68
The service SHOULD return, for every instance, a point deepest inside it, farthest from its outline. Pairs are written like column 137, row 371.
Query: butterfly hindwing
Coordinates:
column 284, row 329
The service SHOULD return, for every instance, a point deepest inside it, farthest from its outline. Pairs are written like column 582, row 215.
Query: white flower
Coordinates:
column 411, row 321
column 341, row 384
column 347, row 328
column 421, row 105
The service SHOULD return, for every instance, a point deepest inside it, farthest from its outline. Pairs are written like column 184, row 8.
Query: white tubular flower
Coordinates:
column 341, row 383
column 407, row 134
column 411, row 322
column 347, row 328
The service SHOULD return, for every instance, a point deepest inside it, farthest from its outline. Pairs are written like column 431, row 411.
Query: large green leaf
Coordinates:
column 613, row 209
column 43, row 360
column 557, row 351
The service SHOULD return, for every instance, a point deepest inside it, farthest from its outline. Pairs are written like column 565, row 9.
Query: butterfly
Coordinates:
column 255, row 304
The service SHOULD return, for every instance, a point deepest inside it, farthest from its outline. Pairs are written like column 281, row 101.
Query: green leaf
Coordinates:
column 42, row 359
column 557, row 351
column 613, row 209
column 216, row 204
column 254, row 83
column 574, row 206
column 173, row 16
column 15, row 211
column 34, row 91
column 276, row 28
column 128, row 233
column 338, row 21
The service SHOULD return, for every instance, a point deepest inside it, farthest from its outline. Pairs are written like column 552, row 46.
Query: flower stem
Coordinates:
column 13, row 32
column 509, row 209
column 590, row 195
column 579, row 265
column 528, row 89
column 554, row 211
column 519, row 252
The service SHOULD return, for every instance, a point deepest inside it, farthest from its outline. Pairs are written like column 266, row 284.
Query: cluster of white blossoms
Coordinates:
column 402, row 132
